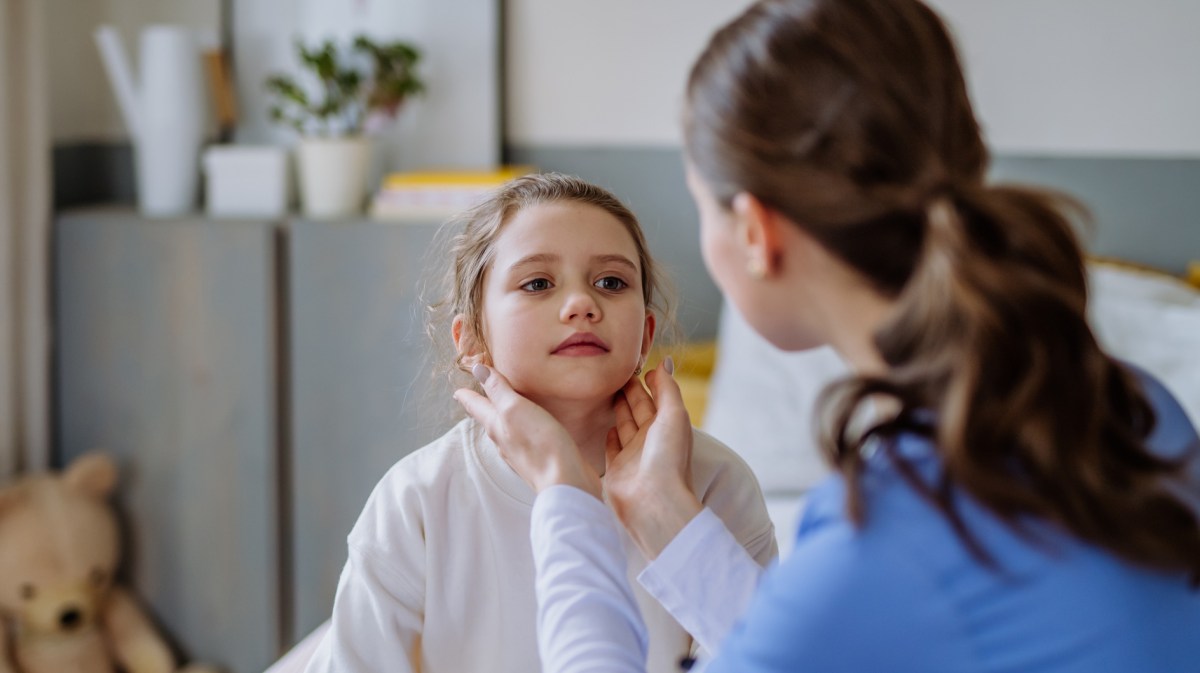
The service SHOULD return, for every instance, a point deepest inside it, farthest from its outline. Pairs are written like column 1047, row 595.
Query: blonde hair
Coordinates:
column 470, row 243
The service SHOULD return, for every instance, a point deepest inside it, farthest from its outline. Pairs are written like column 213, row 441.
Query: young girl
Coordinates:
column 552, row 287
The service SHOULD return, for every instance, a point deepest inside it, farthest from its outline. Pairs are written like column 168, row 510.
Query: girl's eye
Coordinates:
column 536, row 285
column 611, row 283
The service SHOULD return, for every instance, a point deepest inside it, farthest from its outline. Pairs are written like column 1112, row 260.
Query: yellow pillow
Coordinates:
column 694, row 362
column 1190, row 277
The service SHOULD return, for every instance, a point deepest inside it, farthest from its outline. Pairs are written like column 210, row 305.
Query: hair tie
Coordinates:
column 944, row 187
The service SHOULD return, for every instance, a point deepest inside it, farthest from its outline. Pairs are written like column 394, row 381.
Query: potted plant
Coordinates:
column 356, row 91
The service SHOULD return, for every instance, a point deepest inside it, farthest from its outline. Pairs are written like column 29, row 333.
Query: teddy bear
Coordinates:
column 60, row 609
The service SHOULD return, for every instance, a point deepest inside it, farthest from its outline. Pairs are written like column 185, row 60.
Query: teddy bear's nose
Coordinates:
column 70, row 618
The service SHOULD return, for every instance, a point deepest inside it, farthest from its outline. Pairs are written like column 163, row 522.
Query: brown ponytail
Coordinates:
column 851, row 117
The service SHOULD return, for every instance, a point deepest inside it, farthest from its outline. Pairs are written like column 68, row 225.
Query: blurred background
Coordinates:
column 179, row 287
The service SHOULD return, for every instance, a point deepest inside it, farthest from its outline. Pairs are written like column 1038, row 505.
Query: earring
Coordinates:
column 756, row 268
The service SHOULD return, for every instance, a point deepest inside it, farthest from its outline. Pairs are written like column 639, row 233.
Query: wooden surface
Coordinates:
column 359, row 386
column 166, row 357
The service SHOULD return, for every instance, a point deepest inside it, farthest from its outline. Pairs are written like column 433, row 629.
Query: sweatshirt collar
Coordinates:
column 494, row 466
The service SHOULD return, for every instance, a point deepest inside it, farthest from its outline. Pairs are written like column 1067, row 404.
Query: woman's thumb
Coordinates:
column 481, row 372
column 667, row 394
column 495, row 386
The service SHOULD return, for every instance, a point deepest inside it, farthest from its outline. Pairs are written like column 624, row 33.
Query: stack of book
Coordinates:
column 435, row 196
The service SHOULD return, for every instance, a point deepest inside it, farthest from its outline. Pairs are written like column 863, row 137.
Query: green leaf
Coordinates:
column 349, row 88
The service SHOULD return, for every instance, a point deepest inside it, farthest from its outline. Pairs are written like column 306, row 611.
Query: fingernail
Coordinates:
column 669, row 365
column 481, row 372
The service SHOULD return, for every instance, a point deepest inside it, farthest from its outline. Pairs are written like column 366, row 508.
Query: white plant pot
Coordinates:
column 333, row 175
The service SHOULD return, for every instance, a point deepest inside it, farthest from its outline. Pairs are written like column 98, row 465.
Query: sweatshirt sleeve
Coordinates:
column 377, row 621
column 588, row 618
column 726, row 485
column 379, row 610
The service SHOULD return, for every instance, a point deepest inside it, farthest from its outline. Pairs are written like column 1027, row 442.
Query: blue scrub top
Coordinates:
column 902, row 593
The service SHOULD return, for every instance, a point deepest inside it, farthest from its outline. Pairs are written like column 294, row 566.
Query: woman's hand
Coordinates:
column 648, row 458
column 532, row 441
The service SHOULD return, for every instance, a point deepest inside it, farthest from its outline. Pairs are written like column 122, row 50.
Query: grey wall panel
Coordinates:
column 359, row 386
column 1145, row 210
column 165, row 357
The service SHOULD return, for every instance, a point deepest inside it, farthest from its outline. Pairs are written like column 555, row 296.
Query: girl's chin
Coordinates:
column 584, row 393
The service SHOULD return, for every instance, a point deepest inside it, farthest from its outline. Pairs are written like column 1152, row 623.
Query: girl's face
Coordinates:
column 563, row 314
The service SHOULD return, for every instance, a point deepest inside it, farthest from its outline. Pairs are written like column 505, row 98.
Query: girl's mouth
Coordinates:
column 581, row 343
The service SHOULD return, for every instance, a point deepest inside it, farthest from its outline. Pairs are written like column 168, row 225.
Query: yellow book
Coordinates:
column 434, row 196
column 428, row 179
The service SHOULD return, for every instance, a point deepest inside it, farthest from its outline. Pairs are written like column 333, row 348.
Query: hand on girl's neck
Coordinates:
column 587, row 422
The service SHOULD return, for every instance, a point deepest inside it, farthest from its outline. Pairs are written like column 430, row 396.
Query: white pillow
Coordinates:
column 762, row 400
column 1152, row 321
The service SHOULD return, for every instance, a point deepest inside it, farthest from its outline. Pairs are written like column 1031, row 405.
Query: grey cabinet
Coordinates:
column 254, row 380
column 359, row 380
column 166, row 351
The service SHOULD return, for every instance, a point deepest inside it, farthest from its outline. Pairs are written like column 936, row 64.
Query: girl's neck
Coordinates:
column 587, row 422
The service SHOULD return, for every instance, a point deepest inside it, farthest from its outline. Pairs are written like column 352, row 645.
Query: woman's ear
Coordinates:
column 759, row 232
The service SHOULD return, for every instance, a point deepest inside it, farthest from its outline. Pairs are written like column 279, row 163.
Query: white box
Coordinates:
column 246, row 181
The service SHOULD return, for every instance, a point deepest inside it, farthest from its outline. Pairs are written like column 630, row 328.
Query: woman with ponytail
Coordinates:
column 1008, row 497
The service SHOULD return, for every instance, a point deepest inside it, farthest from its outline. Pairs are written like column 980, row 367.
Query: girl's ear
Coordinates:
column 463, row 343
column 648, row 334
column 759, row 232
column 469, row 350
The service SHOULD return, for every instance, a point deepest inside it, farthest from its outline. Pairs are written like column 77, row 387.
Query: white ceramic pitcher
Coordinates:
column 165, row 111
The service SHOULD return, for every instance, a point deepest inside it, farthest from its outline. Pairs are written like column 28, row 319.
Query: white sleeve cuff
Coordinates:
column 704, row 578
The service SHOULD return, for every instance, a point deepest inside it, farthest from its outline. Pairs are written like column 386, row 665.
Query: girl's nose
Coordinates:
column 580, row 305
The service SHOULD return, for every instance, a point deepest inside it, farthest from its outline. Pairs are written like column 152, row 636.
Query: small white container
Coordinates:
column 246, row 181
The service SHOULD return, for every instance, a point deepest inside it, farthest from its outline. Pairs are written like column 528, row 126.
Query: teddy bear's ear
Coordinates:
column 92, row 473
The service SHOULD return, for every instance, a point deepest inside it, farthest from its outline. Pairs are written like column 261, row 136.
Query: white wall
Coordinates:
column 1083, row 76
column 1049, row 76
column 456, row 124
column 82, row 106
column 581, row 72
